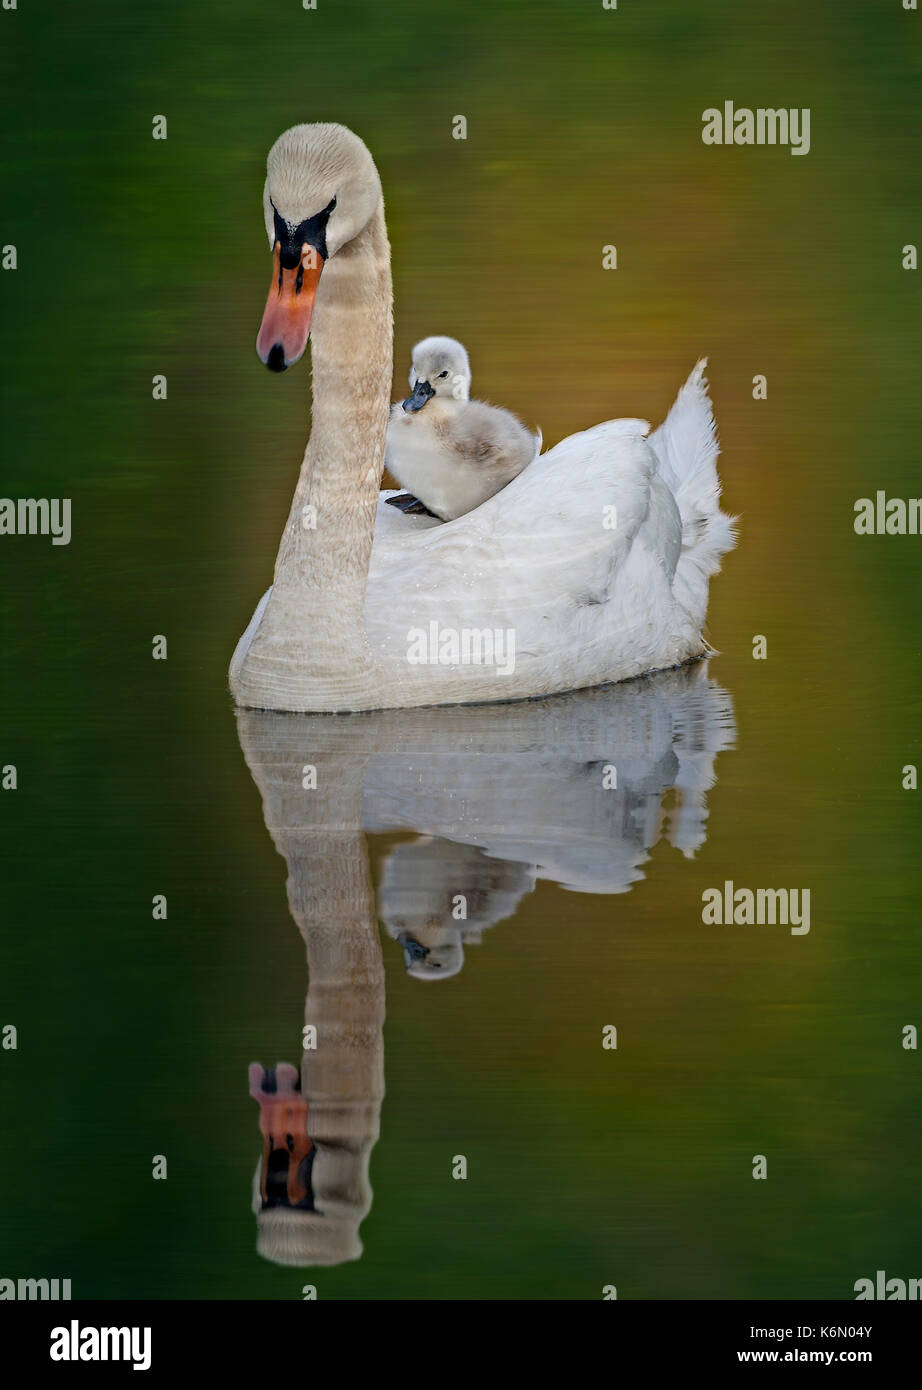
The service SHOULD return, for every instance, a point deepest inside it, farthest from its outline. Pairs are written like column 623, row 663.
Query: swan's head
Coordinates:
column 322, row 190
column 440, row 368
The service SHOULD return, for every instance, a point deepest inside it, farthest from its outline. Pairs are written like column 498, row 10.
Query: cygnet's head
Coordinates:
column 440, row 368
column 423, row 886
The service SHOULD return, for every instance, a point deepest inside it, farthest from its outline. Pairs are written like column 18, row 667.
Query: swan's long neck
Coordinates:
column 313, row 628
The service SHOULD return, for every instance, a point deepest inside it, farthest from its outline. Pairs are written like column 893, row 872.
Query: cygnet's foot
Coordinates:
column 409, row 505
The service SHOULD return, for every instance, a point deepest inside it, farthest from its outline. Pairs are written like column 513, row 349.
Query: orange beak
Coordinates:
column 286, row 321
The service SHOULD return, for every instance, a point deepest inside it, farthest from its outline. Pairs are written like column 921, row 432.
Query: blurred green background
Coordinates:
column 139, row 257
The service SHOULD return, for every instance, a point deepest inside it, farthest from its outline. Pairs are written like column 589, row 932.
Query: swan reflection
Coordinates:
column 568, row 789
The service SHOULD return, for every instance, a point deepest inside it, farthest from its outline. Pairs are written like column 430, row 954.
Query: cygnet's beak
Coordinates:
column 412, row 950
column 286, row 321
column 421, row 394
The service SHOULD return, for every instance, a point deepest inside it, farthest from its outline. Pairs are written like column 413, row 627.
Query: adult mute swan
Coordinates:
column 591, row 566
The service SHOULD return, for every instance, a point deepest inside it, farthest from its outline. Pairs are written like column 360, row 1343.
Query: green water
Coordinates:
column 137, row 257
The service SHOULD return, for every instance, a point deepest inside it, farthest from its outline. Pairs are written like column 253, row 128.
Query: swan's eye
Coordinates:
column 441, row 374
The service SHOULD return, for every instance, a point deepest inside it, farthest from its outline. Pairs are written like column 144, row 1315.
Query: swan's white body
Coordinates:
column 591, row 566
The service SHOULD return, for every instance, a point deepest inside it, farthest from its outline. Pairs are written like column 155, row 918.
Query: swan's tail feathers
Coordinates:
column 686, row 448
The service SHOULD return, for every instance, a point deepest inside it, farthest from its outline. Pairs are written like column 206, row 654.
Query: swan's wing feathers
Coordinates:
column 553, row 540
column 687, row 449
column 686, row 442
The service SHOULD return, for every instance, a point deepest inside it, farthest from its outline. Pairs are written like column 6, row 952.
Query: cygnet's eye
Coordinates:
column 441, row 374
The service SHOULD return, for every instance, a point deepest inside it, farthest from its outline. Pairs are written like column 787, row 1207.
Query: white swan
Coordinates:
column 452, row 453
column 591, row 566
